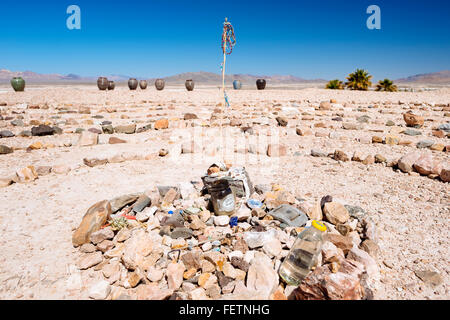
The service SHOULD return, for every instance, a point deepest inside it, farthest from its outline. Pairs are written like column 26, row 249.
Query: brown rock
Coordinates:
column 190, row 116
column 105, row 245
column 134, row 278
column 115, row 140
column 429, row 277
column 89, row 260
column 322, row 284
column 303, row 131
column 102, row 234
column 43, row 170
column 94, row 218
column 376, row 139
column 369, row 160
column 426, row 165
column 445, row 174
column 282, row 121
column 325, row 105
column 278, row 295
column 379, row 158
column 344, row 243
column 192, row 260
column 371, row 248
column 335, row 212
column 340, row 156
column 161, row 124
column 241, row 245
column 391, row 139
column 438, row 133
column 128, row 129
column 413, row 120
column 93, row 162
column 437, row 147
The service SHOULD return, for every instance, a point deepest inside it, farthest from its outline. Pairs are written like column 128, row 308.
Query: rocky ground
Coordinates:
column 64, row 149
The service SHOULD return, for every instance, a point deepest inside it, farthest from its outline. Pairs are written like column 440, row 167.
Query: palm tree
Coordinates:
column 359, row 80
column 335, row 84
column 386, row 85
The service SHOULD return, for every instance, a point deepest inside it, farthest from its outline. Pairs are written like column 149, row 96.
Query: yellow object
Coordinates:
column 319, row 226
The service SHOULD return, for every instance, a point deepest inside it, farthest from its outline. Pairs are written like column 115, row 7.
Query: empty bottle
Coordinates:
column 303, row 255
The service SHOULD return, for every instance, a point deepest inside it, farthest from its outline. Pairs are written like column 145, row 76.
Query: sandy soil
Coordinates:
column 37, row 219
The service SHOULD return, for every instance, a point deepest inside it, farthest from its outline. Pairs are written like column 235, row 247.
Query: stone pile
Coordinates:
column 418, row 163
column 167, row 243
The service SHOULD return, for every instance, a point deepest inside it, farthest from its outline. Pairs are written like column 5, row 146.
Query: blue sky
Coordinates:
column 310, row 39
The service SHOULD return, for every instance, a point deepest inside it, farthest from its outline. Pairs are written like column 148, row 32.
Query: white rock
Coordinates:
column 245, row 226
column 207, row 246
column 249, row 255
column 237, row 254
column 243, row 213
column 261, row 276
column 272, row 247
column 155, row 274
column 221, row 220
column 100, row 290
column 258, row 239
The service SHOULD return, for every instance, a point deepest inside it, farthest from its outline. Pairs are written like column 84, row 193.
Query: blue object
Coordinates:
column 254, row 204
column 170, row 212
column 237, row 85
column 233, row 221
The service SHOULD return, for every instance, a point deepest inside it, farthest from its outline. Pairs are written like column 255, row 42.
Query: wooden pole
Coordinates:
column 224, row 39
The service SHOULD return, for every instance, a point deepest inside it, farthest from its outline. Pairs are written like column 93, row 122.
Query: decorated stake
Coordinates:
column 228, row 42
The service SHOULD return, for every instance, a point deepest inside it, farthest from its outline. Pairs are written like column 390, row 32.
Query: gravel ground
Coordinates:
column 37, row 218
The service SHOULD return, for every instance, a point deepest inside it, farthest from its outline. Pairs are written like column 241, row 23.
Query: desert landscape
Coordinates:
column 374, row 166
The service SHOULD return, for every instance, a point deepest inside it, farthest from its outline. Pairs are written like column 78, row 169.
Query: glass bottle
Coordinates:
column 303, row 255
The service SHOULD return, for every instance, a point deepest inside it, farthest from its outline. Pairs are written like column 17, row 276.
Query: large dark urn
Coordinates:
column 189, row 85
column 102, row 83
column 237, row 85
column 260, row 84
column 18, row 83
column 132, row 84
column 143, row 84
column 159, row 84
column 111, row 85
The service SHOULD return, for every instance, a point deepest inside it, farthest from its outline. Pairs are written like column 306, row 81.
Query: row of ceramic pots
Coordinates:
column 104, row 84
column 18, row 84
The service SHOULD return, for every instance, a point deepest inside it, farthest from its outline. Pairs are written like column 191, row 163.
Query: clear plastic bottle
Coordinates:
column 303, row 255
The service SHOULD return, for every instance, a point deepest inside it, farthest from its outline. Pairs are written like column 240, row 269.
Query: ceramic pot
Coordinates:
column 260, row 84
column 237, row 85
column 143, row 84
column 102, row 83
column 18, row 83
column 189, row 85
column 159, row 84
column 111, row 85
column 132, row 84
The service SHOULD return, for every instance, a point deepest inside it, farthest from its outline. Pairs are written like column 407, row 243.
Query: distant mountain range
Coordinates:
column 214, row 78
column 442, row 77
column 202, row 77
